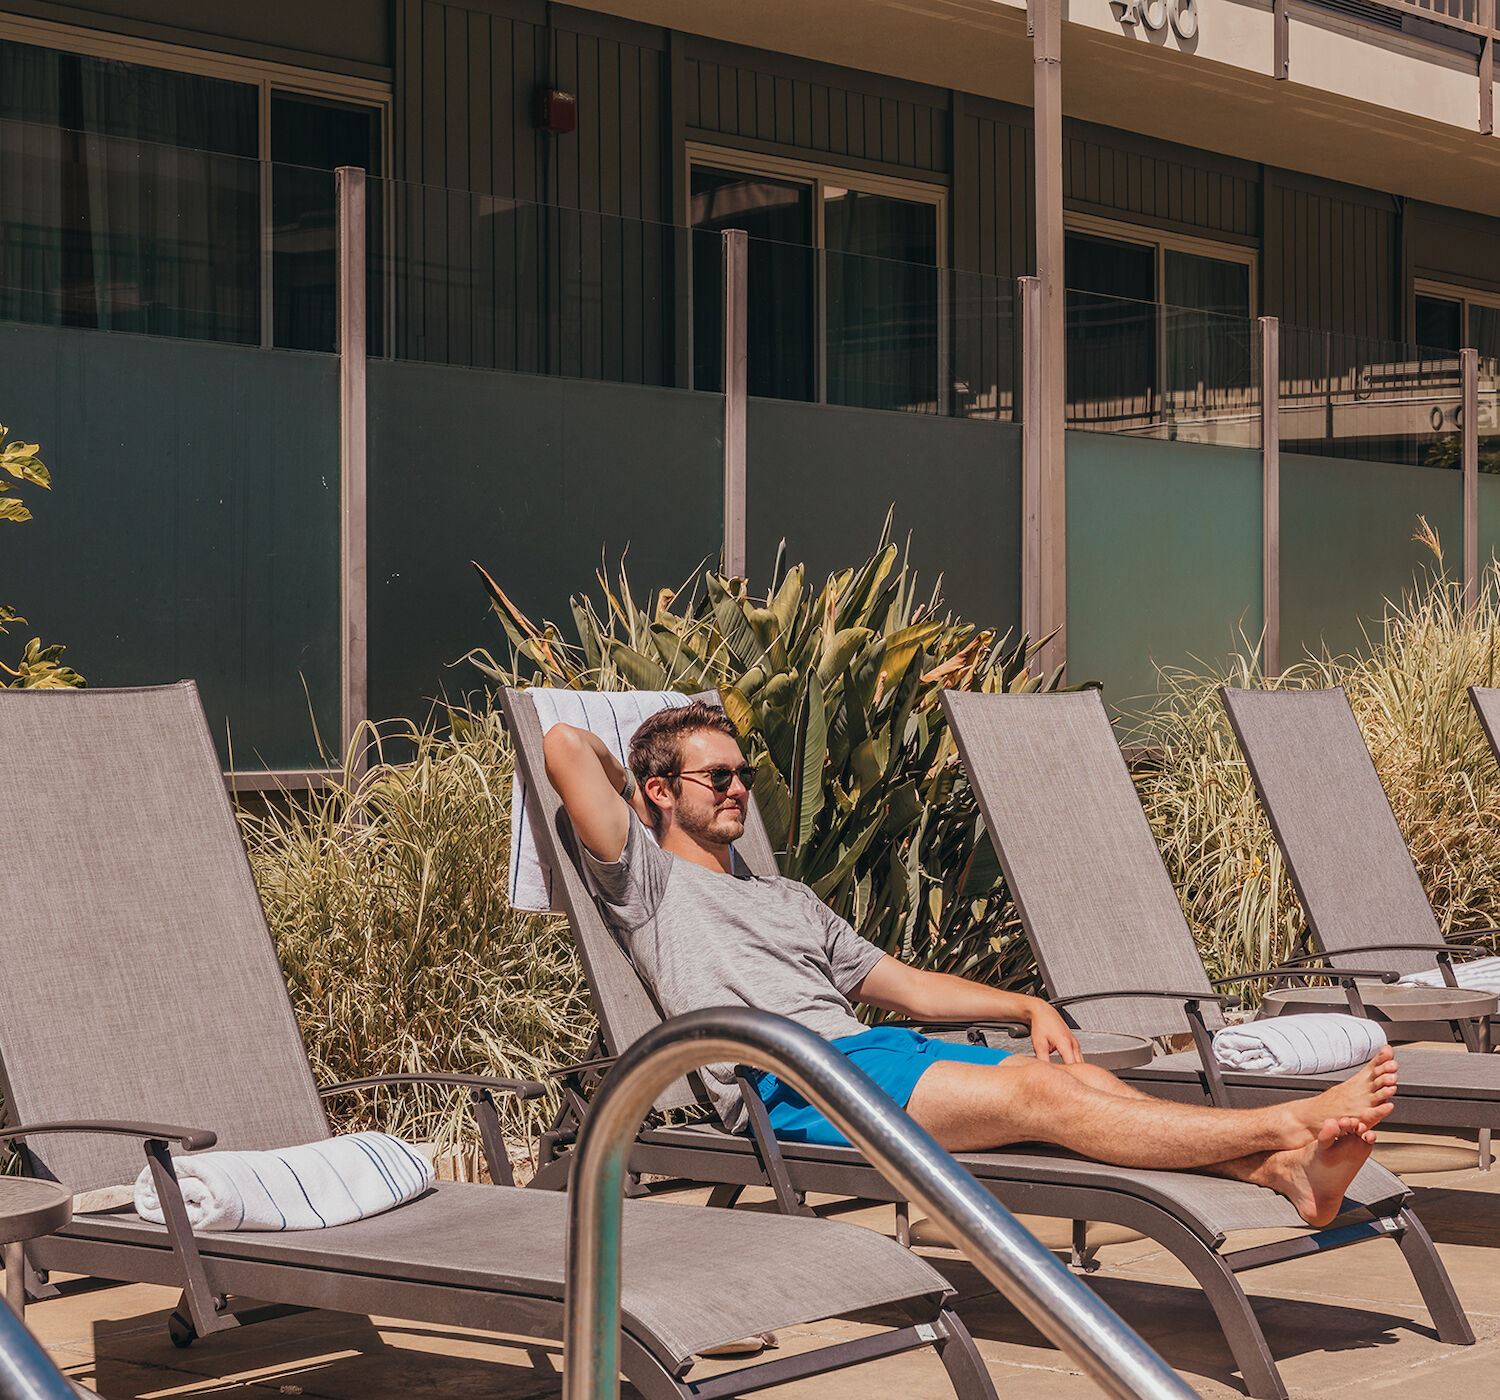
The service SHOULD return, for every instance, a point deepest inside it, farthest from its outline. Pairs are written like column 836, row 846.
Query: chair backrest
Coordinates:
column 1333, row 821
column 1079, row 858
column 1486, row 703
column 624, row 1004
column 139, row 979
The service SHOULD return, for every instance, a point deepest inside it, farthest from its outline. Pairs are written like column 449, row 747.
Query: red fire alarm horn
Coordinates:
column 556, row 111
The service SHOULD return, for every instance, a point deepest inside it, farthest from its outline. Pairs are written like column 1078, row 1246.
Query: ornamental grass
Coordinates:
column 386, row 895
column 1409, row 696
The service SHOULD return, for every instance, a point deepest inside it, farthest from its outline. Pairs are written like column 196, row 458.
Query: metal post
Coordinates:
column 736, row 310
column 352, row 340
column 1487, row 68
column 1270, row 477
column 1032, row 414
column 1045, row 1293
column 1281, row 40
column 1045, row 22
column 1468, row 361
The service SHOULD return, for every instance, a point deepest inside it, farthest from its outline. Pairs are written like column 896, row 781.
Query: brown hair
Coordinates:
column 656, row 747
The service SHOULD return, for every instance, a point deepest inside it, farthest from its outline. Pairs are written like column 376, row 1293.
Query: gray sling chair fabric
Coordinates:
column 1189, row 1214
column 140, row 983
column 1365, row 905
column 1103, row 918
column 1115, row 950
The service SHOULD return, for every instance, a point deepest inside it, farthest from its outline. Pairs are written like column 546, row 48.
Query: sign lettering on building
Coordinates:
column 1157, row 14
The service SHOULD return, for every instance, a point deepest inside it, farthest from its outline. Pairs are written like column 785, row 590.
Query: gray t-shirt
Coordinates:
column 700, row 938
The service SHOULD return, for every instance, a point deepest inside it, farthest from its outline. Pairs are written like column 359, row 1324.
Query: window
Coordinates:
column 844, row 291
column 135, row 198
column 1159, row 331
column 1456, row 318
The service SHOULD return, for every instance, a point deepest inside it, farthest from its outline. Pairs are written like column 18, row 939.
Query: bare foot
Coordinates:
column 1366, row 1095
column 1314, row 1178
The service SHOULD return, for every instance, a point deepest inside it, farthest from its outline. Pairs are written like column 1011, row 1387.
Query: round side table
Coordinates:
column 1107, row 1049
column 29, row 1209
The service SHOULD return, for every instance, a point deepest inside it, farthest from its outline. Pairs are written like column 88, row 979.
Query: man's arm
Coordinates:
column 935, row 996
column 588, row 779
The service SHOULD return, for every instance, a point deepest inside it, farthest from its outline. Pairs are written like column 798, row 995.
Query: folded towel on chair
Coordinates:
column 1313, row 1044
column 297, row 1188
column 1483, row 975
column 612, row 715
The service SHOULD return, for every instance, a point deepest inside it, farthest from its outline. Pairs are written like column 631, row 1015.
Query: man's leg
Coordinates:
column 974, row 1107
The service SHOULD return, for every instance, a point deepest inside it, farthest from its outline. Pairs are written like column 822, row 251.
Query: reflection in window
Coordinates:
column 130, row 200
column 778, row 216
column 130, row 197
column 1111, row 331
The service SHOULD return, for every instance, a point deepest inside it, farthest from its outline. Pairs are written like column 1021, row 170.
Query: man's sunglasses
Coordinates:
column 719, row 778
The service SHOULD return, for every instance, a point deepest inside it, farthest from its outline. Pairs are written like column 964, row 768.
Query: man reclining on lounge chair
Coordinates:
column 703, row 932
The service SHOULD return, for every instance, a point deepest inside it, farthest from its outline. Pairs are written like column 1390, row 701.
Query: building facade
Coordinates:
column 544, row 195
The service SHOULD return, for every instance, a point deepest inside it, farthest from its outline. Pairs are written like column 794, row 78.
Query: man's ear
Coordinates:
column 659, row 791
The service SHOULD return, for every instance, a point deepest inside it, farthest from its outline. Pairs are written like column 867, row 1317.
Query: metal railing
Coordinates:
column 26, row 1371
column 1044, row 1292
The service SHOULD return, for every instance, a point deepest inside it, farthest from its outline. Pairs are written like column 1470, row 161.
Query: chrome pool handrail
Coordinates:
column 1046, row 1294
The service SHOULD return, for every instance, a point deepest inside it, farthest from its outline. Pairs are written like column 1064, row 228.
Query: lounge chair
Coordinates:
column 1365, row 905
column 1190, row 1215
column 1110, row 937
column 141, row 989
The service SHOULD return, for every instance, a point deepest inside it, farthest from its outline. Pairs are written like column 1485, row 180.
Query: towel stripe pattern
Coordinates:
column 296, row 1188
column 1318, row 1043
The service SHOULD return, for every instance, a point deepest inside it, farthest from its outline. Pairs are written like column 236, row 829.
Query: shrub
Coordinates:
column 1409, row 697
column 836, row 691
column 39, row 667
column 386, row 895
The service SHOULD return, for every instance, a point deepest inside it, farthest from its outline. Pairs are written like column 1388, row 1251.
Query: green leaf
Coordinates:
column 784, row 604
column 841, row 872
column 684, row 666
column 641, row 671
column 738, row 709
column 774, row 800
column 738, row 635
column 840, row 652
column 813, row 736
column 13, row 510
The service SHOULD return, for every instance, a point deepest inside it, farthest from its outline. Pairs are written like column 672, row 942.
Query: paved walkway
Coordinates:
column 1349, row 1323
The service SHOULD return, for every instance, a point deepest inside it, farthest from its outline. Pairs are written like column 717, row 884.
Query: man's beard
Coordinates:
column 718, row 828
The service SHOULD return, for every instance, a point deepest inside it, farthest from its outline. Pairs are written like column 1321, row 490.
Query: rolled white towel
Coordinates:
column 1313, row 1044
column 1483, row 975
column 612, row 715
column 297, row 1188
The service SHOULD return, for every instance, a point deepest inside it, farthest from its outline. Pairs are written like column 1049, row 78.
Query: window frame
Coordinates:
column 1466, row 296
column 1161, row 242
column 265, row 75
column 820, row 175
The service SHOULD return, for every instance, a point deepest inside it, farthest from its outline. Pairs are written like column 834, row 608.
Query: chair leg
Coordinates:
column 1432, row 1280
column 553, row 1176
column 1241, row 1330
column 38, row 1287
column 1486, row 1150
column 903, row 1224
column 15, row 1279
column 724, row 1197
column 966, row 1370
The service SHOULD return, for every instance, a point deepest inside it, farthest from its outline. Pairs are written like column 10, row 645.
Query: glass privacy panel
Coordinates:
column 1164, row 562
column 1111, row 368
column 1484, row 330
column 1150, row 370
column 778, row 216
column 1370, row 448
column 881, row 300
column 192, row 529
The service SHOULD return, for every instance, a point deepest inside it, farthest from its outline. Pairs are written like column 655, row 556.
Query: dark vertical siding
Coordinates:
column 1331, row 257
column 574, row 291
column 993, row 223
column 758, row 97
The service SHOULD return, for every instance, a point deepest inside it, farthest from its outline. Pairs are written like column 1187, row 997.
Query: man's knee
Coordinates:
column 1094, row 1076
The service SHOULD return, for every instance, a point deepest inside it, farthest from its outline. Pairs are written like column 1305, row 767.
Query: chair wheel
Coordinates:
column 181, row 1330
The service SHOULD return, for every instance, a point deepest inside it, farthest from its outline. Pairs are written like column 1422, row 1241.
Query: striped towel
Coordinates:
column 1317, row 1043
column 298, row 1188
column 614, row 716
column 1483, row 974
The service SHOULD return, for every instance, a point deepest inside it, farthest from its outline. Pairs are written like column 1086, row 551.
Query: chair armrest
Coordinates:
column 1019, row 1029
column 1157, row 994
column 190, row 1139
column 1272, row 972
column 599, row 1064
column 1378, row 948
column 521, row 1088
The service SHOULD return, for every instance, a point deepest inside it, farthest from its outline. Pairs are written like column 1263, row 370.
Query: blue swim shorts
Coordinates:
column 895, row 1058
